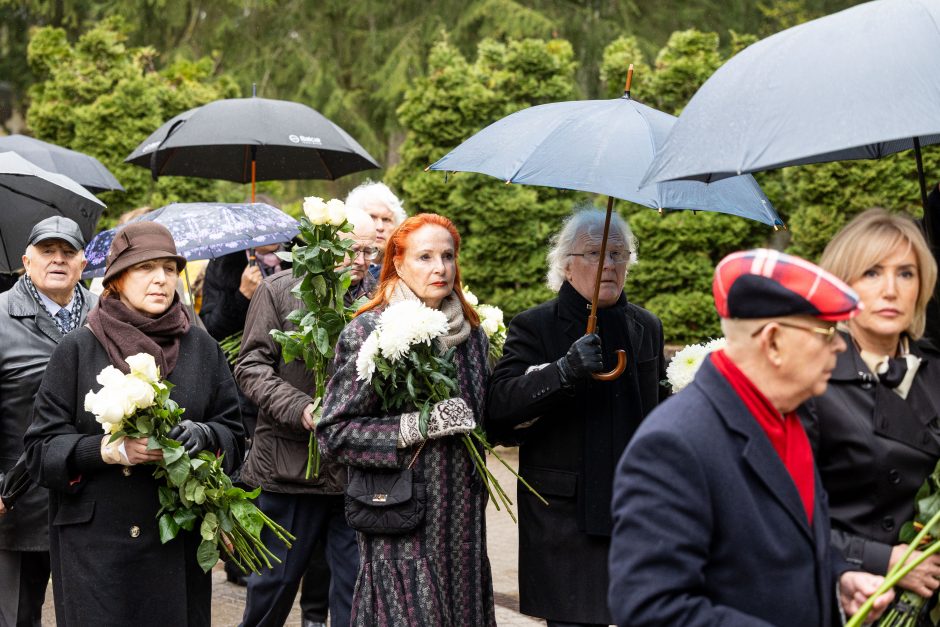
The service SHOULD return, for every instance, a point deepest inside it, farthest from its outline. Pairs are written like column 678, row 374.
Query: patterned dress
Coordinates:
column 439, row 574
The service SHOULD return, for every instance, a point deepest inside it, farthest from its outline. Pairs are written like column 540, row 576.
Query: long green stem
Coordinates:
column 490, row 449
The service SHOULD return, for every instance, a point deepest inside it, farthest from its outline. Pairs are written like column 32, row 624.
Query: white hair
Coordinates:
column 370, row 192
column 574, row 226
column 358, row 218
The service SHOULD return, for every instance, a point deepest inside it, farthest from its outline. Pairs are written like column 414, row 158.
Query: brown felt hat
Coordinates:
column 137, row 242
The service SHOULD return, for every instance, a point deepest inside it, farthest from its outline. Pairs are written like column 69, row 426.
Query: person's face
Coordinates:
column 149, row 286
column 807, row 355
column 581, row 271
column 888, row 291
column 429, row 264
column 363, row 251
column 384, row 221
column 54, row 267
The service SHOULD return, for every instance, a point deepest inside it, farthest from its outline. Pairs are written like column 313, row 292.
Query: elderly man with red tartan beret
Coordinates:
column 719, row 514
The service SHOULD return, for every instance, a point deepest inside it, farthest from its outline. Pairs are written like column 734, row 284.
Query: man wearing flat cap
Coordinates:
column 719, row 514
column 46, row 303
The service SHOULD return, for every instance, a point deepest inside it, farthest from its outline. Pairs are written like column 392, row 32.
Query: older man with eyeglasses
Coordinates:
column 571, row 428
column 720, row 516
column 312, row 509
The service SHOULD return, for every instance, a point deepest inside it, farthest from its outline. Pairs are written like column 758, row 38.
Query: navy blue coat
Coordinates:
column 708, row 526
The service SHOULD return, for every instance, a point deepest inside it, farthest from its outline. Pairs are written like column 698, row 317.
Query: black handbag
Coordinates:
column 388, row 502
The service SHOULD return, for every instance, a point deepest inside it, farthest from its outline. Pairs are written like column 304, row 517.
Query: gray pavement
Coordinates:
column 228, row 600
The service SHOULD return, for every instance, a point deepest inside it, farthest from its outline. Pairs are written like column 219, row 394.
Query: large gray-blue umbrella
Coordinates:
column 858, row 84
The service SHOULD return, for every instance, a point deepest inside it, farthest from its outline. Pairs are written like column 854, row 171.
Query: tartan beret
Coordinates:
column 764, row 283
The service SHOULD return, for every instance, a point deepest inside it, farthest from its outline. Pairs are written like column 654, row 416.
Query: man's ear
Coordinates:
column 769, row 340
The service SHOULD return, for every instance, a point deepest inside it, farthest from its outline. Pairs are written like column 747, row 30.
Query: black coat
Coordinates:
column 28, row 335
column 709, row 528
column 108, row 565
column 562, row 569
column 874, row 450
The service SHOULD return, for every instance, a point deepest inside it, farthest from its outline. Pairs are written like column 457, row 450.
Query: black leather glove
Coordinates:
column 583, row 358
column 194, row 436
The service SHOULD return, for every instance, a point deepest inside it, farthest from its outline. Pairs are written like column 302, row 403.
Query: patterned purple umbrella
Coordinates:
column 205, row 230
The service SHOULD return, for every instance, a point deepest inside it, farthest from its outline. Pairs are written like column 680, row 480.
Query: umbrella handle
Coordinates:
column 616, row 372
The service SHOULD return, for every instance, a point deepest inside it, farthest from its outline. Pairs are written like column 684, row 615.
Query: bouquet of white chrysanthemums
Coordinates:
column 195, row 490
column 406, row 369
column 491, row 319
column 681, row 370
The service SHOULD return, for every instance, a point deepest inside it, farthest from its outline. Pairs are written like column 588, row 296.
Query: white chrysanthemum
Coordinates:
column 336, row 211
column 315, row 210
column 470, row 297
column 365, row 360
column 407, row 323
column 681, row 370
column 491, row 319
column 716, row 344
column 144, row 366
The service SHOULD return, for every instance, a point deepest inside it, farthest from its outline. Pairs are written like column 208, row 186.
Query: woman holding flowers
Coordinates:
column 109, row 566
column 876, row 430
column 438, row 573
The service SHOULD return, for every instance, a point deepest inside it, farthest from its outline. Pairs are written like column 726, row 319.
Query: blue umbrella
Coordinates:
column 204, row 230
column 858, row 84
column 599, row 146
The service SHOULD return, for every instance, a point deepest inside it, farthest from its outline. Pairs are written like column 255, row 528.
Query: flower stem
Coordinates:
column 490, row 449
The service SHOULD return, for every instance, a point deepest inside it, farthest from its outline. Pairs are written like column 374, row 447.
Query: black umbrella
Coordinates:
column 29, row 194
column 251, row 139
column 81, row 168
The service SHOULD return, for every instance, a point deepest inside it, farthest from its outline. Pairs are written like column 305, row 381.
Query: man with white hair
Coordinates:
column 312, row 509
column 571, row 428
column 45, row 303
column 385, row 209
column 720, row 517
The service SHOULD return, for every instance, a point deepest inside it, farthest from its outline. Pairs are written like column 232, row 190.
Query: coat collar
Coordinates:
column 574, row 326
column 23, row 305
column 851, row 367
column 756, row 450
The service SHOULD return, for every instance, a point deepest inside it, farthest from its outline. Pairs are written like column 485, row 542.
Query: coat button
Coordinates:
column 887, row 523
column 126, row 470
column 894, row 477
column 135, row 531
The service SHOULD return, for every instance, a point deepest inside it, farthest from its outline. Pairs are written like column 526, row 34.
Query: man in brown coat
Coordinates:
column 312, row 508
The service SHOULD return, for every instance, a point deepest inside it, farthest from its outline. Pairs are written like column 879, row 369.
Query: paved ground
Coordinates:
column 228, row 600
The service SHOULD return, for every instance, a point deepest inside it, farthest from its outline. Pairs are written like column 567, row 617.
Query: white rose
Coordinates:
column 144, row 365
column 490, row 326
column 139, row 392
column 470, row 297
column 336, row 209
column 108, row 410
column 110, row 377
column 315, row 210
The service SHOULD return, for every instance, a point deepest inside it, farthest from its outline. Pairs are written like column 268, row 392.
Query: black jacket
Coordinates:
column 562, row 570
column 874, row 450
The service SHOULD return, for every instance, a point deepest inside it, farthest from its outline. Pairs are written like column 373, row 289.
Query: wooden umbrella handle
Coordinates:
column 616, row 372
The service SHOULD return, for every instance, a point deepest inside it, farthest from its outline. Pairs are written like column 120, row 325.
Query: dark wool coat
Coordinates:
column 108, row 565
column 874, row 450
column 438, row 575
column 563, row 569
column 709, row 528
column 28, row 335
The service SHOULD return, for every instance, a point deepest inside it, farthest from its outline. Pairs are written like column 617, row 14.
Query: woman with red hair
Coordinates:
column 437, row 574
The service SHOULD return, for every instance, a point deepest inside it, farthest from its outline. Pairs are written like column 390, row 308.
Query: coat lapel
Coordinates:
column 23, row 305
column 756, row 450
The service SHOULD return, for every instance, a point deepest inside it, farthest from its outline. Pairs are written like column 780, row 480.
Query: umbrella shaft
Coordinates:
column 592, row 319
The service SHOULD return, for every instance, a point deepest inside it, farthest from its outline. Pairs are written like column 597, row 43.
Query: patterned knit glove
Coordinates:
column 451, row 416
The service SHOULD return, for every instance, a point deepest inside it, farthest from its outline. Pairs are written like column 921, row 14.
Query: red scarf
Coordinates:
column 786, row 433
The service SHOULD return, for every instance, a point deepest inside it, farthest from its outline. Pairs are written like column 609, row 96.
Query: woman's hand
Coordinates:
column 923, row 580
column 128, row 451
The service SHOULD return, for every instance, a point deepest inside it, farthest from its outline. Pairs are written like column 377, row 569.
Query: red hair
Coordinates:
column 395, row 252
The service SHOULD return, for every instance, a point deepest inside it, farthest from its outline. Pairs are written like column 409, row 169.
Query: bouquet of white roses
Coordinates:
column 195, row 490
column 491, row 319
column 406, row 370
column 681, row 370
column 323, row 315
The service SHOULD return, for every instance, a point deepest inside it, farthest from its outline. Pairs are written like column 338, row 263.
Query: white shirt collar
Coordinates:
column 50, row 305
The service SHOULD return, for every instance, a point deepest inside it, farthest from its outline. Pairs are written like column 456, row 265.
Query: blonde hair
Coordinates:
column 869, row 238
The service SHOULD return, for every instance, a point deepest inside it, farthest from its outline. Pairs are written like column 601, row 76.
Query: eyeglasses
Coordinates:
column 593, row 256
column 828, row 333
column 368, row 252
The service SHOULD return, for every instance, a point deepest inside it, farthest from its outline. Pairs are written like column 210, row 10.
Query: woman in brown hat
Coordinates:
column 108, row 564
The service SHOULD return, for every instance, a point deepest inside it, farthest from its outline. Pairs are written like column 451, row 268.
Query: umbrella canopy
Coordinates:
column 857, row 84
column 204, row 230
column 81, row 168
column 29, row 194
column 219, row 140
column 600, row 146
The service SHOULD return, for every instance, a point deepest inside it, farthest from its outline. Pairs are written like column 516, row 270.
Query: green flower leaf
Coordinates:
column 168, row 528
column 207, row 555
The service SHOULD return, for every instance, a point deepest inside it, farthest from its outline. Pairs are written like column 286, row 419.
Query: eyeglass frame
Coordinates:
column 828, row 333
column 353, row 252
column 585, row 256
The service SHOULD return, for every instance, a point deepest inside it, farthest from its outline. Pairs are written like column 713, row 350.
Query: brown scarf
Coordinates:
column 123, row 332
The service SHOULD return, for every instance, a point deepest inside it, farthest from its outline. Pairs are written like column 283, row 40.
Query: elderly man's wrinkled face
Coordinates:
column 363, row 250
column 583, row 259
column 384, row 221
column 54, row 267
